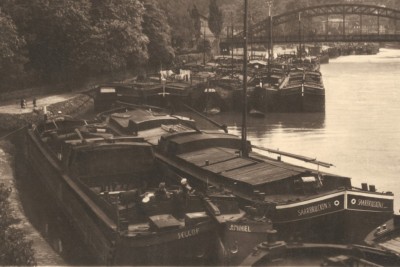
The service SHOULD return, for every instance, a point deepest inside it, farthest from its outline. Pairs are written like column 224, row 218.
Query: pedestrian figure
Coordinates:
column 161, row 192
column 22, row 103
column 186, row 188
column 34, row 102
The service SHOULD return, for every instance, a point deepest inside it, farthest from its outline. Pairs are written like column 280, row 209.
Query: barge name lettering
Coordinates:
column 239, row 228
column 314, row 209
column 188, row 233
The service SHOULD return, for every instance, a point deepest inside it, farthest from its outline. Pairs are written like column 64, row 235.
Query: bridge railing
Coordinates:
column 237, row 41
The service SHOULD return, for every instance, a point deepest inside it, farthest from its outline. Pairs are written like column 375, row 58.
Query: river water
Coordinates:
column 360, row 130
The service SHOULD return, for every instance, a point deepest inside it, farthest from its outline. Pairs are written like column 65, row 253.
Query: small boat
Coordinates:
column 386, row 236
column 208, row 100
column 256, row 113
column 212, row 102
column 279, row 253
column 107, row 186
column 212, row 111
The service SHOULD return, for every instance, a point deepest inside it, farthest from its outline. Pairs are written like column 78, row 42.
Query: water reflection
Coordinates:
column 260, row 127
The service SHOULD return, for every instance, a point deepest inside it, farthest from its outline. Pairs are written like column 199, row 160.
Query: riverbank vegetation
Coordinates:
column 67, row 41
column 15, row 249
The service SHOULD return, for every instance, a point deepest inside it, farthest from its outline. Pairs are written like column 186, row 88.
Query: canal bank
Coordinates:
column 43, row 252
column 15, row 175
column 13, row 116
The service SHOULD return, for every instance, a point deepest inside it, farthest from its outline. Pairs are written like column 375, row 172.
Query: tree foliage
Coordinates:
column 69, row 40
column 215, row 18
column 179, row 19
column 117, row 38
column 195, row 15
column 14, row 248
column 12, row 52
column 155, row 26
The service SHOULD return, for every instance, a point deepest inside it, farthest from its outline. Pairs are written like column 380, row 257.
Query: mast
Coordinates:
column 270, row 45
column 204, row 45
column 244, row 149
column 232, row 45
column 300, row 49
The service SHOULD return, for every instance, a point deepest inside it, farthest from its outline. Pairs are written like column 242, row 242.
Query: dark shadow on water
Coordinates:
column 260, row 126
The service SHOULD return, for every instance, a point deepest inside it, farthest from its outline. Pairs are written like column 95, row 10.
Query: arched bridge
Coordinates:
column 324, row 23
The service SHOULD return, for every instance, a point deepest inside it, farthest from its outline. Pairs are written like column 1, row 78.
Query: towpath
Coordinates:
column 14, row 107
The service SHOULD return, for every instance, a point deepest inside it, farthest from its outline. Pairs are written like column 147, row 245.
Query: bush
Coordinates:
column 14, row 248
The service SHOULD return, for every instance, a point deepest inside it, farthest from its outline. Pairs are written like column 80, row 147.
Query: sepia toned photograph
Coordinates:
column 200, row 133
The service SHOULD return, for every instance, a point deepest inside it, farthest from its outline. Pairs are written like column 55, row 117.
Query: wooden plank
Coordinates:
column 240, row 172
column 268, row 175
column 188, row 156
column 264, row 171
column 393, row 243
column 390, row 247
column 260, row 173
column 229, row 165
column 259, row 180
column 198, row 155
column 214, row 159
column 212, row 155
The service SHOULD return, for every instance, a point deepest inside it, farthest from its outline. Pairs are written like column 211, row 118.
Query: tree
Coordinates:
column 117, row 40
column 12, row 53
column 195, row 15
column 14, row 248
column 54, row 32
column 215, row 20
column 157, row 29
column 70, row 40
column 184, row 25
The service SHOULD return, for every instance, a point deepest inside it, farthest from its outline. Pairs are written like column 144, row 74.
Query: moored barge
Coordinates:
column 301, row 202
column 107, row 187
column 240, row 228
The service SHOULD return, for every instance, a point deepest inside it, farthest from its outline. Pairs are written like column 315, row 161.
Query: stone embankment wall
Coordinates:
column 75, row 106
